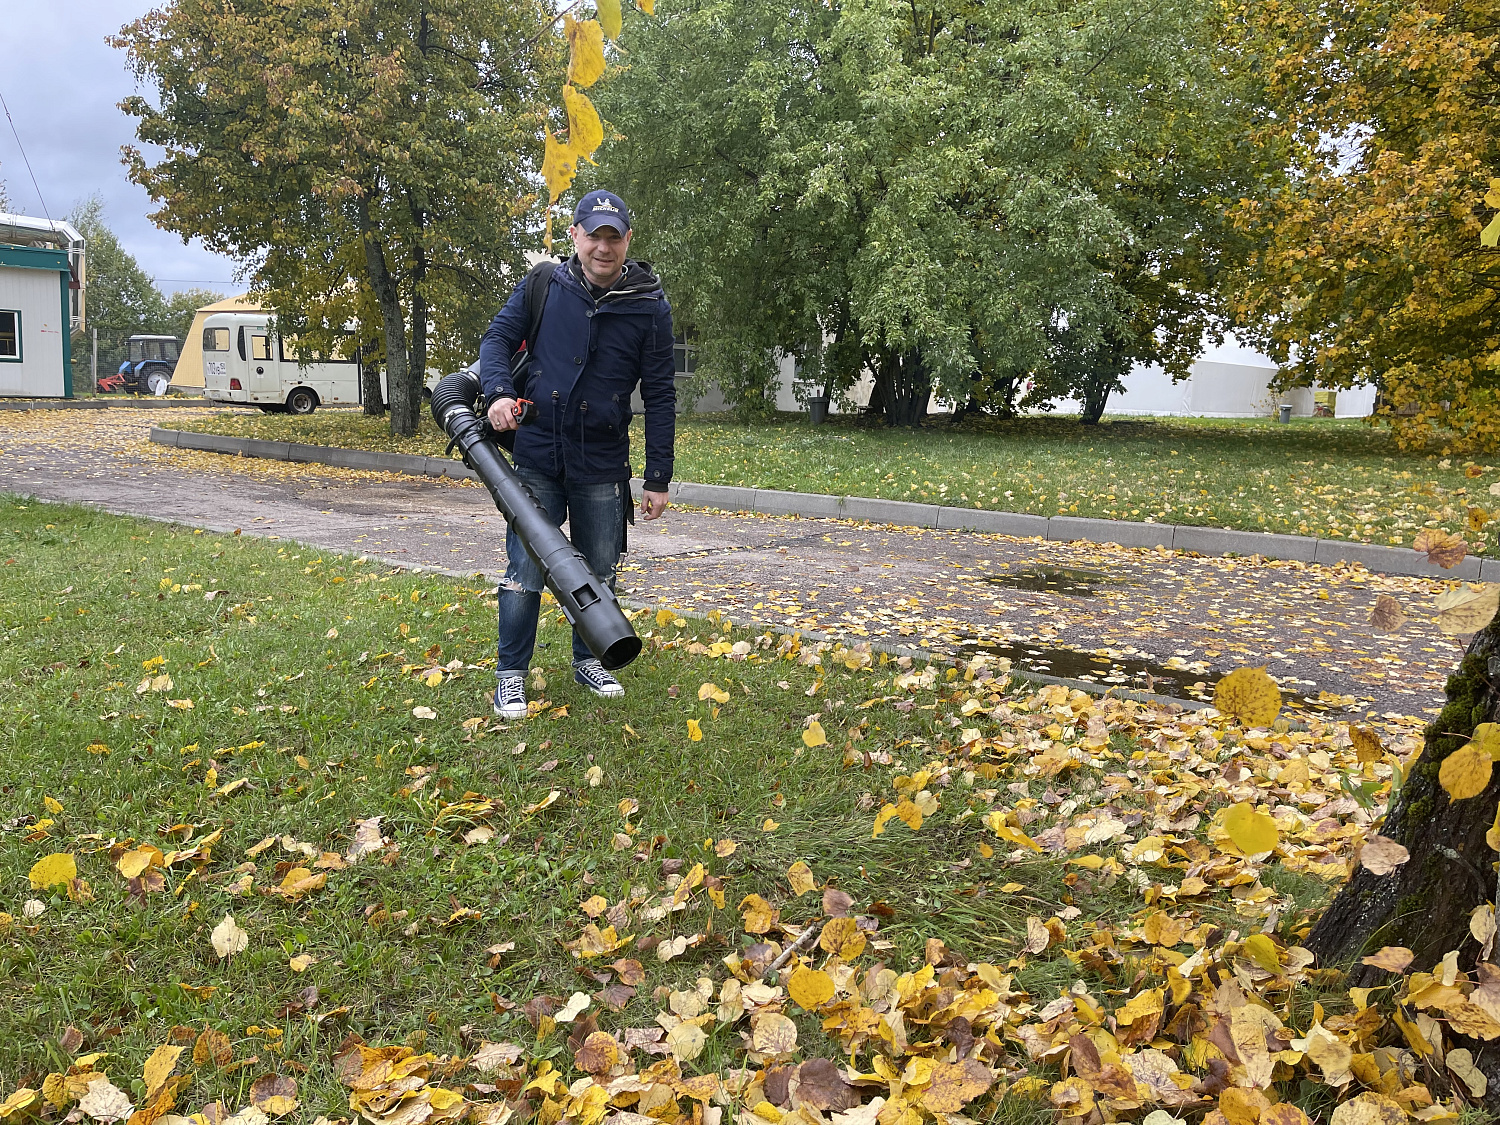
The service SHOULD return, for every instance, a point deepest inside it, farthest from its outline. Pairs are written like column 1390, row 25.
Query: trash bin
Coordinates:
column 817, row 410
column 1284, row 413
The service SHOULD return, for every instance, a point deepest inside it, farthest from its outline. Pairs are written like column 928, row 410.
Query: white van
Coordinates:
column 245, row 362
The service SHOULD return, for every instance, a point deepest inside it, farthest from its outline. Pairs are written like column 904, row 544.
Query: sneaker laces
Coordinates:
column 511, row 690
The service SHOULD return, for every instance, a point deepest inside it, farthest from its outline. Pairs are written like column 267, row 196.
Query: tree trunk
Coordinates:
column 404, row 412
column 369, row 387
column 905, row 387
column 1425, row 903
column 1095, row 396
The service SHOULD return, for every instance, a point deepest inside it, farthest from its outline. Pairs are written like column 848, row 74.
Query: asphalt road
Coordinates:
column 1144, row 618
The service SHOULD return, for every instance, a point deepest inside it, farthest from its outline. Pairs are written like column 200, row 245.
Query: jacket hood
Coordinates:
column 637, row 282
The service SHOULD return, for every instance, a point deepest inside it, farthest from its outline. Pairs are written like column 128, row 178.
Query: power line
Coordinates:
column 25, row 159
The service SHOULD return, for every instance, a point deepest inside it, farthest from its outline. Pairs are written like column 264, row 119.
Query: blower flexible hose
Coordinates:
column 588, row 604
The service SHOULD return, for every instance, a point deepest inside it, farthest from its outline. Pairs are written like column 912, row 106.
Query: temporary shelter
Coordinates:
column 41, row 305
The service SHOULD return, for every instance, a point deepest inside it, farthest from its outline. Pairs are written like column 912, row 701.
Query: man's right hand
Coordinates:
column 502, row 414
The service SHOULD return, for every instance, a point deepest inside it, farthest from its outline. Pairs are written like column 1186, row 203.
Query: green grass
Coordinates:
column 321, row 727
column 1338, row 479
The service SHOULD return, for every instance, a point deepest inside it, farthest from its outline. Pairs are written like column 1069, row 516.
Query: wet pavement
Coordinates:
column 1148, row 619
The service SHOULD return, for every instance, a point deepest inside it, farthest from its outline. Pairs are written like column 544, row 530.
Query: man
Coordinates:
column 606, row 328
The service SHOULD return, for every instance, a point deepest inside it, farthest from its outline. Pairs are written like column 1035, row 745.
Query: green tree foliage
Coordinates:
column 375, row 162
column 1369, row 266
column 958, row 195
column 122, row 300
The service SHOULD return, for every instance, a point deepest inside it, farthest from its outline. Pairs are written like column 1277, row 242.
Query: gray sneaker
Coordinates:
column 510, row 697
column 591, row 674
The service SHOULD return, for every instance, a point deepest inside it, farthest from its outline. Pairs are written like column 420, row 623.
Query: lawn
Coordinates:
column 1337, row 479
column 572, row 916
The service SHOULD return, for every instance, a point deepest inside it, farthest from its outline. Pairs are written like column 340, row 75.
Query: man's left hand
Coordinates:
column 653, row 504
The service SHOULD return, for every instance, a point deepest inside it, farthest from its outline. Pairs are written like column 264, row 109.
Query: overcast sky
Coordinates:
column 63, row 83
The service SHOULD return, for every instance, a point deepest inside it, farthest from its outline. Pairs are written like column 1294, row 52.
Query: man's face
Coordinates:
column 602, row 254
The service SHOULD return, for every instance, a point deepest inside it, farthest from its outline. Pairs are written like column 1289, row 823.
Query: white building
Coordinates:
column 41, row 305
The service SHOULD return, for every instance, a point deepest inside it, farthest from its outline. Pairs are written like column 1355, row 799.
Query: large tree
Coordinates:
column 941, row 187
column 1369, row 266
column 370, row 159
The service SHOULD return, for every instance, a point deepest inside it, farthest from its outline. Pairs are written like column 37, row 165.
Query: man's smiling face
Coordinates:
column 601, row 254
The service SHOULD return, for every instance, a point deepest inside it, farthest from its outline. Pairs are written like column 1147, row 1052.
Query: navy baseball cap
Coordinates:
column 601, row 209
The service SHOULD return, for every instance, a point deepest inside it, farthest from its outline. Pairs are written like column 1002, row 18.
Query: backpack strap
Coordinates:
column 538, row 283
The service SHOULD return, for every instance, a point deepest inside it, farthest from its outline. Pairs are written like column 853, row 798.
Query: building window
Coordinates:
column 685, row 353
column 10, row 336
column 216, row 339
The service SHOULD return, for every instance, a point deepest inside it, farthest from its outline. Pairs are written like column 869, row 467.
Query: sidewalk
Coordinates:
column 900, row 513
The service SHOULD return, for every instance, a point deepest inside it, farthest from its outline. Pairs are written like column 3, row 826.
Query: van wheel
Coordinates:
column 301, row 401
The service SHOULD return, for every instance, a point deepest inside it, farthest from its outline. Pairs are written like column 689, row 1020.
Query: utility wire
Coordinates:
column 25, row 159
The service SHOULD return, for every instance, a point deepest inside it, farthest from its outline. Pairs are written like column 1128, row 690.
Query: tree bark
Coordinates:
column 905, row 386
column 404, row 412
column 1095, row 397
column 369, row 386
column 1425, row 903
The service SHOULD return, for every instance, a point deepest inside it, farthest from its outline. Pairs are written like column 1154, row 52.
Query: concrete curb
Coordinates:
column 98, row 404
column 771, row 502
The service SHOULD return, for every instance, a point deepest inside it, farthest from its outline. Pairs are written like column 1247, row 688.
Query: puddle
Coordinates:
column 1053, row 580
column 1136, row 673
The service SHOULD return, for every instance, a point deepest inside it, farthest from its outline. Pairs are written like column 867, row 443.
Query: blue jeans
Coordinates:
column 596, row 519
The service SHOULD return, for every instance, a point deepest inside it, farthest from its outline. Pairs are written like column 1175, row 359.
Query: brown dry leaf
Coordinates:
column 1381, row 855
column 1460, row 1061
column 820, row 1085
column 212, row 1046
column 725, row 848
column 1391, row 958
column 774, row 1034
column 1441, row 548
column 838, row 904
column 1387, row 615
column 274, row 1094
column 956, row 1085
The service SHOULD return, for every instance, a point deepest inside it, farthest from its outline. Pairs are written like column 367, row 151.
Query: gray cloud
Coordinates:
column 63, row 83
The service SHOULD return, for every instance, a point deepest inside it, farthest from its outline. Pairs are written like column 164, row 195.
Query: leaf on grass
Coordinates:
column 1250, row 831
column 1038, row 937
column 995, row 822
column 814, row 735
column 302, row 962
column 711, row 690
column 695, row 732
column 1460, row 1061
column 756, row 914
column 573, row 1008
column 838, row 904
column 424, row 712
column 1381, row 855
column 1368, row 1109
column 810, row 988
column 1465, row 610
column 1441, row 547
column 955, row 1085
column 274, row 1094
column 774, row 1034
column 212, row 1046
column 801, row 878
column 1367, row 744
column 1388, row 615
column 105, row 1101
column 725, row 848
column 53, row 871
column 159, row 1067
column 842, row 938
column 820, row 1085
column 1466, row 772
column 1250, row 695
column 228, row 938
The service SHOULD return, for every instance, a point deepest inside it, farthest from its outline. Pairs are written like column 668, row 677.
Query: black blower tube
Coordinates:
column 588, row 604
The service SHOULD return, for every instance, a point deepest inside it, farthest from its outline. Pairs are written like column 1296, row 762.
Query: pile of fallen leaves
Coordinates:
column 1198, row 1002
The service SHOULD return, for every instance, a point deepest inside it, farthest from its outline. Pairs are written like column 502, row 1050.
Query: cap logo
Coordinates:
column 604, row 205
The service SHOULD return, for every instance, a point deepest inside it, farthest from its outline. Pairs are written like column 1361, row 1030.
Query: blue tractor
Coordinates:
column 147, row 368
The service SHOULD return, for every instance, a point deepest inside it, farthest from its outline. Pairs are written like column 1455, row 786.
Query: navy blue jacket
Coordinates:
column 587, row 360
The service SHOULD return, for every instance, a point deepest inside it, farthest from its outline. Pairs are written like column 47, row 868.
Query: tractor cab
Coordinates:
column 148, row 366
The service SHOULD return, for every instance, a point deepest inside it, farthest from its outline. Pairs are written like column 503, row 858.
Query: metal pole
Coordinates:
column 94, row 366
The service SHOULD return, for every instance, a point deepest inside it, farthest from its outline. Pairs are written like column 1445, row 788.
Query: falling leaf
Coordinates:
column 1252, row 832
column 1441, row 548
column 1464, row 610
column 773, row 1034
column 228, row 939
column 801, row 878
column 1466, row 772
column 1381, row 855
column 1388, row 615
column 811, row 988
column 1250, row 695
column 274, row 1094
column 813, row 735
column 53, row 870
column 609, row 17
column 1392, row 958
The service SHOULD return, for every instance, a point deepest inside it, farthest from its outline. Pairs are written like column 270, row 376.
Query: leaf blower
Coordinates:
column 588, row 604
